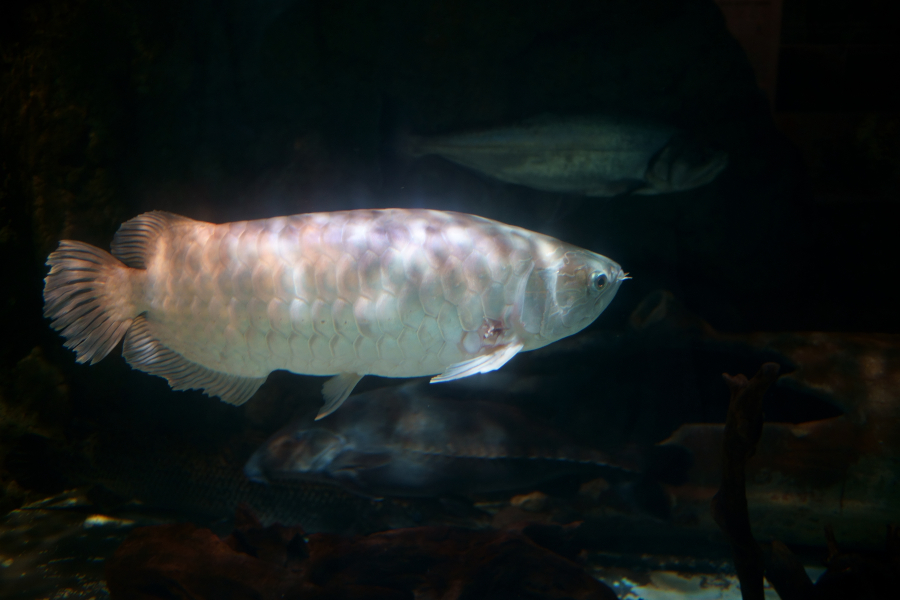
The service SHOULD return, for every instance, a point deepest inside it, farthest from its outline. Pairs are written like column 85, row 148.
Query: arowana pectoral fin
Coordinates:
column 479, row 364
column 336, row 390
column 143, row 351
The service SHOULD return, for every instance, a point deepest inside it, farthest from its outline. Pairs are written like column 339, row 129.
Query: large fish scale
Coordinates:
column 365, row 293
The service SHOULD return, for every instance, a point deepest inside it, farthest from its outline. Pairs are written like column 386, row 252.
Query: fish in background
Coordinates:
column 587, row 155
column 396, row 293
column 127, row 474
column 409, row 441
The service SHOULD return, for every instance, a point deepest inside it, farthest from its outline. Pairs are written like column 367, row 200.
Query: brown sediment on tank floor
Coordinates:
column 281, row 562
column 743, row 429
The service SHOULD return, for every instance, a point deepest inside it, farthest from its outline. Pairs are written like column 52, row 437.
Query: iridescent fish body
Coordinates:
column 396, row 293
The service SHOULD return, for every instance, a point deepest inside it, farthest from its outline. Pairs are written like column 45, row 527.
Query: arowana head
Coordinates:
column 567, row 295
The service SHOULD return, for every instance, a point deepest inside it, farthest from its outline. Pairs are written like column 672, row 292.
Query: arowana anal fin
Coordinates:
column 479, row 364
column 143, row 351
column 336, row 390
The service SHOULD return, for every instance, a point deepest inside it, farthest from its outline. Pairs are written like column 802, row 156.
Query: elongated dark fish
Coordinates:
column 396, row 293
column 408, row 441
column 592, row 156
column 179, row 480
column 199, row 487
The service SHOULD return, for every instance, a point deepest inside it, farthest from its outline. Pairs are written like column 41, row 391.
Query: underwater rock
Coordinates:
column 184, row 561
column 54, row 548
column 428, row 562
column 587, row 155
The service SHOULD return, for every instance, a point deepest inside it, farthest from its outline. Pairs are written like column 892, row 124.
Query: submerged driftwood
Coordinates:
column 729, row 506
column 848, row 576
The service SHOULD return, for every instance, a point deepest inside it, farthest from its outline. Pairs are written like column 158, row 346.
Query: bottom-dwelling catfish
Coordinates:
column 396, row 293
column 410, row 441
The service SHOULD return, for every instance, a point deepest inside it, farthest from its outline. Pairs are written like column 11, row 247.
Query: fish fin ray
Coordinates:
column 143, row 351
column 480, row 364
column 83, row 298
column 336, row 390
column 135, row 240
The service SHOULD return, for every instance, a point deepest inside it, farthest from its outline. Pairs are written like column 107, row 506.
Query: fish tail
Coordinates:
column 87, row 294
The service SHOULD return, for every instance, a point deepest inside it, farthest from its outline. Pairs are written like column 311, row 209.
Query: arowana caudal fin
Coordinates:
column 86, row 296
column 87, row 293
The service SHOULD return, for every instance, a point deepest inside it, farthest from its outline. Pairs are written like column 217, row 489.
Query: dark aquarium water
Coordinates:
column 576, row 216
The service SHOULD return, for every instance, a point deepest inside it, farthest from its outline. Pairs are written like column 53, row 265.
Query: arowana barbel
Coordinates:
column 396, row 293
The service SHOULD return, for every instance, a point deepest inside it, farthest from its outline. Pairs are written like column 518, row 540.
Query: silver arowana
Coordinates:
column 396, row 293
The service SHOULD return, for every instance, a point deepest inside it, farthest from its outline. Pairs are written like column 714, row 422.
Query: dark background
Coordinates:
column 237, row 110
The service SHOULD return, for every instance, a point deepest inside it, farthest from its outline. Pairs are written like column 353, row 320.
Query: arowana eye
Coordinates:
column 600, row 281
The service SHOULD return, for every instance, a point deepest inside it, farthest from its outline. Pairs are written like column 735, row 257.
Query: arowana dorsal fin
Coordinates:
column 136, row 239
